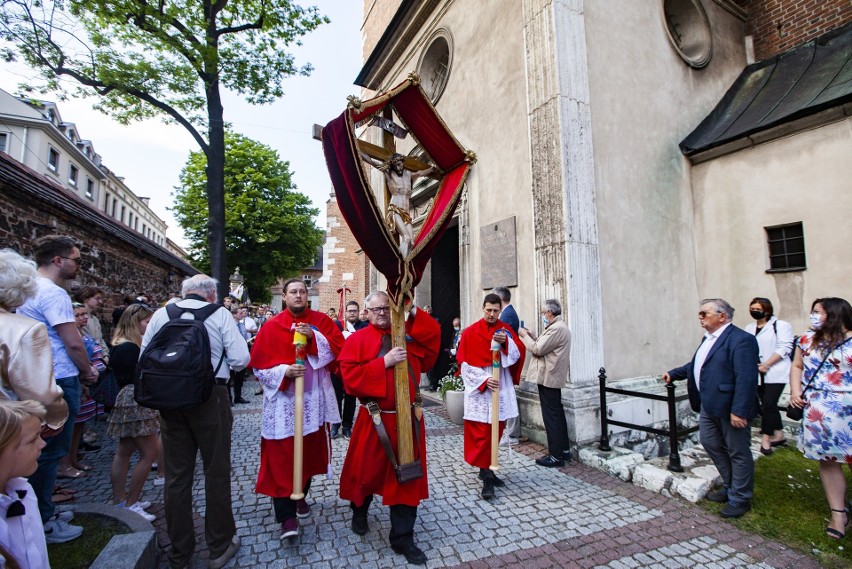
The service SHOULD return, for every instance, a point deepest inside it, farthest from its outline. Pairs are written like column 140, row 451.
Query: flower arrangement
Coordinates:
column 450, row 382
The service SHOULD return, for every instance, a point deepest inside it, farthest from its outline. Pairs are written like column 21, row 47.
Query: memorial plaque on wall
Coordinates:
column 498, row 251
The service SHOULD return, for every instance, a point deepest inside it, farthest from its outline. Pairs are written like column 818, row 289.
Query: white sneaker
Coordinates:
column 58, row 531
column 65, row 516
column 138, row 509
column 144, row 504
column 159, row 481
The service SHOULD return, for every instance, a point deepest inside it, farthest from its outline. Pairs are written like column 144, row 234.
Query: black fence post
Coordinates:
column 604, row 441
column 674, row 455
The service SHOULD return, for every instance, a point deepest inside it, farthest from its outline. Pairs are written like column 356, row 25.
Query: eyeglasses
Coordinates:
column 77, row 260
column 379, row 309
column 704, row 313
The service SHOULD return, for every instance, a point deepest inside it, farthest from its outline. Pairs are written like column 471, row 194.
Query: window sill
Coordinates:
column 788, row 270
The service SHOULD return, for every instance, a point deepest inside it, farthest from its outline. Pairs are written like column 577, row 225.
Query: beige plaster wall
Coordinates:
column 484, row 104
column 644, row 101
column 806, row 177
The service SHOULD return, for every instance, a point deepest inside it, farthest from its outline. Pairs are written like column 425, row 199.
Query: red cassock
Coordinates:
column 475, row 350
column 274, row 346
column 367, row 469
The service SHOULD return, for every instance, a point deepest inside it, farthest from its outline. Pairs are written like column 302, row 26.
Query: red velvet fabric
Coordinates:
column 357, row 200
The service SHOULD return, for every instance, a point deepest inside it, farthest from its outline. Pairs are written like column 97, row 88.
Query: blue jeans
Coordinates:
column 44, row 478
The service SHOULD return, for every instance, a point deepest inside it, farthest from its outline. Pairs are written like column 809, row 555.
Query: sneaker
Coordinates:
column 222, row 560
column 303, row 509
column 290, row 528
column 58, row 531
column 720, row 496
column 550, row 461
column 735, row 509
column 138, row 509
column 143, row 504
column 65, row 516
column 159, row 481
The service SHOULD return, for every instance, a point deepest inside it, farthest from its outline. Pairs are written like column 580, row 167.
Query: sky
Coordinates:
column 150, row 155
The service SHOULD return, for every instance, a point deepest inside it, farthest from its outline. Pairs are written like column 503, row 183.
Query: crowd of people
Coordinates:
column 315, row 371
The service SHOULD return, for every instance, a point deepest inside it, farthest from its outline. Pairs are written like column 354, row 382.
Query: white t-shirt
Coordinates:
column 51, row 305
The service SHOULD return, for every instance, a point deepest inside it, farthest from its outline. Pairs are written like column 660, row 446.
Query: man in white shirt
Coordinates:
column 722, row 385
column 206, row 428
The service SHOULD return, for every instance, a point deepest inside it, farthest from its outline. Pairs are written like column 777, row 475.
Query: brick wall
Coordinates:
column 116, row 266
column 342, row 260
column 778, row 25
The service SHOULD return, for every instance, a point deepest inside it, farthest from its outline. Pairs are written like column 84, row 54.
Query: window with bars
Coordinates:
column 786, row 247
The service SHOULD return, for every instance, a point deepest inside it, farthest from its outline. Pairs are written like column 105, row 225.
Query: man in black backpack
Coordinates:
column 206, row 427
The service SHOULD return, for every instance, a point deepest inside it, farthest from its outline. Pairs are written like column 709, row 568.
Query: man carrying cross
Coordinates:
column 367, row 364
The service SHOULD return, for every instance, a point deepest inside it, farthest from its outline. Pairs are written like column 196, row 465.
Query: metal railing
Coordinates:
column 672, row 432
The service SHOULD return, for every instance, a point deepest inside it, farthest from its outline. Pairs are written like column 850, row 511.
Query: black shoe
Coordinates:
column 335, row 430
column 487, row 488
column 781, row 443
column 413, row 555
column 550, row 461
column 347, row 432
column 488, row 473
column 735, row 509
column 719, row 496
column 359, row 524
column 766, row 451
column 240, row 401
column 89, row 447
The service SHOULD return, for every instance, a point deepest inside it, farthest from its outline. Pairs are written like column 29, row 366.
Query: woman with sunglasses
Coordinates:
column 775, row 339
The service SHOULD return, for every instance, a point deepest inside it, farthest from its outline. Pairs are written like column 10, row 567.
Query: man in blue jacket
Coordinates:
column 722, row 383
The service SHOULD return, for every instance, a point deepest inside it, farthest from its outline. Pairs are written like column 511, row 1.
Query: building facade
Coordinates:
column 576, row 111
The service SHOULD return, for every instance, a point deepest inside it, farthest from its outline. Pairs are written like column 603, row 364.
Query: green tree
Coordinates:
column 269, row 227
column 168, row 58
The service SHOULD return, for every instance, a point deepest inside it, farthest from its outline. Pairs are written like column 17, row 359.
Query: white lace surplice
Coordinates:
column 477, row 404
column 278, row 420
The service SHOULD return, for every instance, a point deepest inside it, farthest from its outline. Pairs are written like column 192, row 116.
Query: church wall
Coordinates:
column 484, row 104
column 803, row 177
column 644, row 100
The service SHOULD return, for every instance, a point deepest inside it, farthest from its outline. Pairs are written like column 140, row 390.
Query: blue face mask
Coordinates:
column 816, row 321
column 544, row 320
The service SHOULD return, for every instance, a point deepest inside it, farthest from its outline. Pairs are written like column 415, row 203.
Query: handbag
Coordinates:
column 796, row 413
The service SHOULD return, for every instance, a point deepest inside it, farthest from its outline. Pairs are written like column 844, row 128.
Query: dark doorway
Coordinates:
column 445, row 294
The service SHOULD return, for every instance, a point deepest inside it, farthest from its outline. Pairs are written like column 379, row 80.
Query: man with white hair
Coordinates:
column 207, row 428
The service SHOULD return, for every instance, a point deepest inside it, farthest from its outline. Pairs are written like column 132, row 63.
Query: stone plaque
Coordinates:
column 499, row 254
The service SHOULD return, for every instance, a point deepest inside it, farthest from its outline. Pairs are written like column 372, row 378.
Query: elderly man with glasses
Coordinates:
column 367, row 364
column 722, row 384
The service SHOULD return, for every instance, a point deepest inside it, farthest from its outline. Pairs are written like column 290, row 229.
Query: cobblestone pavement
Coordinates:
column 544, row 517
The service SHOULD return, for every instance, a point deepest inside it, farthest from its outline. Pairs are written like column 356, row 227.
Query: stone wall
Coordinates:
column 343, row 260
column 778, row 25
column 115, row 258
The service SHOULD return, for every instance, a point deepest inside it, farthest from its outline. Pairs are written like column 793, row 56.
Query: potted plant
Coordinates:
column 451, row 388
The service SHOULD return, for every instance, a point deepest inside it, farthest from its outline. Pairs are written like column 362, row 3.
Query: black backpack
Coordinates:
column 174, row 372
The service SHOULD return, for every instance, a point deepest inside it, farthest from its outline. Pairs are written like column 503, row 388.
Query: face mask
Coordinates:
column 544, row 320
column 456, row 328
column 816, row 321
column 758, row 314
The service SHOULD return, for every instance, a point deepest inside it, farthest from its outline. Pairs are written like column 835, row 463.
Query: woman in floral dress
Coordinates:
column 822, row 368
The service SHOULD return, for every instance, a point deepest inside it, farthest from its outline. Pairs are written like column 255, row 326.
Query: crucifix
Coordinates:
column 400, row 172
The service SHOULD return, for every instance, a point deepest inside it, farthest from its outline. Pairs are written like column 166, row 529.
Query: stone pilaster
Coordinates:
column 563, row 188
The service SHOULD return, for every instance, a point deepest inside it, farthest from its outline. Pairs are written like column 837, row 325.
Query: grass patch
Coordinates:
column 789, row 506
column 82, row 552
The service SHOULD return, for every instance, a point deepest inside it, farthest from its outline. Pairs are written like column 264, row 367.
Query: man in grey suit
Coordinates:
column 722, row 384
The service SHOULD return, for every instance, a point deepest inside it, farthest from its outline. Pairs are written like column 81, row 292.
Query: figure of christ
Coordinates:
column 399, row 183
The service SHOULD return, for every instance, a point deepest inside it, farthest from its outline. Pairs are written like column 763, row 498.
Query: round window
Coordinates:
column 434, row 68
column 688, row 29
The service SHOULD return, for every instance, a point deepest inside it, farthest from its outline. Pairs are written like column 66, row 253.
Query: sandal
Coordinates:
column 83, row 467
column 61, row 498
column 837, row 534
column 65, row 491
column 70, row 472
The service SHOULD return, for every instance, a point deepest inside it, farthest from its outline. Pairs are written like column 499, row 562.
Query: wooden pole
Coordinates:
column 300, row 342
column 405, row 436
column 495, row 408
